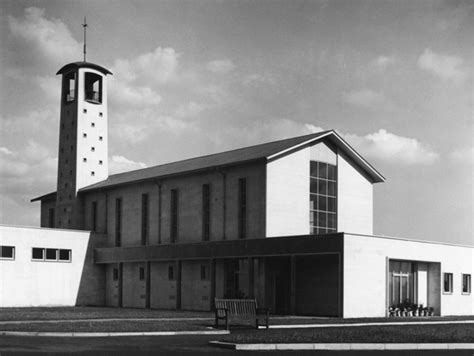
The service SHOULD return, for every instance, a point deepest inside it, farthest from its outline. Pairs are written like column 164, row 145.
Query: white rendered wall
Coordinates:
column 365, row 273
column 84, row 125
column 287, row 197
column 25, row 283
column 354, row 199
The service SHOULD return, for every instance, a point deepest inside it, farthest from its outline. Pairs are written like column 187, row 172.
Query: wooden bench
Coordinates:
column 240, row 309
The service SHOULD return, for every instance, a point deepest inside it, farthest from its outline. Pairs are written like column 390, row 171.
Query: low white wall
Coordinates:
column 24, row 282
column 365, row 272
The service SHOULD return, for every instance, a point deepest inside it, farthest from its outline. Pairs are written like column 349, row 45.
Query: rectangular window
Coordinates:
column 7, row 252
column 242, row 208
column 65, row 255
column 118, row 222
column 69, row 87
column 51, row 254
column 115, row 274
column 204, row 272
column 94, row 215
column 37, row 253
column 206, row 212
column 145, row 221
column 170, row 273
column 51, row 217
column 323, row 198
column 141, row 273
column 466, row 283
column 93, row 87
column 174, row 216
column 447, row 282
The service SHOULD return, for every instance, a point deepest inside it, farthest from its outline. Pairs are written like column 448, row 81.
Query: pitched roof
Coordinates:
column 264, row 151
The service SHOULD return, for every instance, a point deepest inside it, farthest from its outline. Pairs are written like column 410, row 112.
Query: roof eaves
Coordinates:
column 378, row 178
column 282, row 152
column 51, row 195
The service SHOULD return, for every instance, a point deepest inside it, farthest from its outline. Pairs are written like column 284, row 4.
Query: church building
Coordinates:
column 289, row 223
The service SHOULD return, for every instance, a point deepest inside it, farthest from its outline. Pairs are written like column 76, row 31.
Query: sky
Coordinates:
column 394, row 78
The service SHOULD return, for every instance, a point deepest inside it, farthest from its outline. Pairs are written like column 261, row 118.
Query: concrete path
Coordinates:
column 301, row 326
column 345, row 347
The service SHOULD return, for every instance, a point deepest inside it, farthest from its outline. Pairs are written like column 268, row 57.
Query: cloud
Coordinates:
column 443, row 66
column 384, row 145
column 221, row 66
column 190, row 109
column 157, row 67
column 367, row 99
column 254, row 80
column 118, row 164
column 49, row 38
column 464, row 155
column 130, row 95
column 382, row 62
column 261, row 131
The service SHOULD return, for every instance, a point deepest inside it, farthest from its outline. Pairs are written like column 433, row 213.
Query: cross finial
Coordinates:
column 85, row 28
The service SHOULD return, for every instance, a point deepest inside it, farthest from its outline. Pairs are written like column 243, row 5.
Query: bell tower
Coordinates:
column 83, row 152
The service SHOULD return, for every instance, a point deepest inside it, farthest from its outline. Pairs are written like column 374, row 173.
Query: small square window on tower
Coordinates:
column 84, row 159
column 100, row 138
column 92, row 124
column 100, row 162
column 84, row 135
column 84, row 111
column 92, row 173
column 100, row 114
column 93, row 149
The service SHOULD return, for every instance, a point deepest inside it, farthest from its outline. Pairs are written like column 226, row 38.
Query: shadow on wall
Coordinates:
column 92, row 284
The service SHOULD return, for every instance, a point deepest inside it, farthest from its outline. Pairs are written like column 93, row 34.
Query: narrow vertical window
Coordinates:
column 466, row 284
column 145, row 219
column 69, row 87
column 115, row 274
column 242, row 208
column 141, row 273
column 94, row 216
column 93, row 87
column 51, row 217
column 170, row 272
column 448, row 283
column 206, row 212
column 174, row 215
column 118, row 222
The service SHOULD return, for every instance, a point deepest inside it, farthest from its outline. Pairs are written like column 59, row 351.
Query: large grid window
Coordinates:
column 174, row 215
column 466, row 283
column 7, row 252
column 118, row 222
column 145, row 221
column 447, row 282
column 206, row 212
column 323, row 198
column 242, row 208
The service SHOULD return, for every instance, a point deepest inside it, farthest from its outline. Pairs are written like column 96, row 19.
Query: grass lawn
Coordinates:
column 456, row 333
column 66, row 313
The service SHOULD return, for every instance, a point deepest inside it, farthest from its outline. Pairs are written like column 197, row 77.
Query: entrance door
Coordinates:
column 401, row 290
